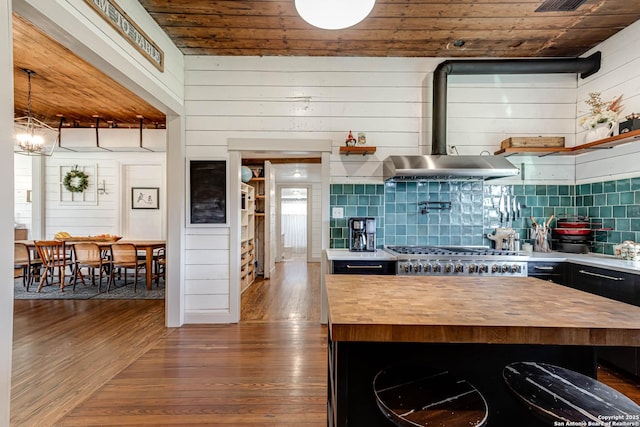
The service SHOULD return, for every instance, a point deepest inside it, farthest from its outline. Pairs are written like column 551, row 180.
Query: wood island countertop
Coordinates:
column 489, row 310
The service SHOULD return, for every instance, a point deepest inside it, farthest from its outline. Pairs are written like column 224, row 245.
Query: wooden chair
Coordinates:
column 22, row 259
column 89, row 255
column 160, row 265
column 125, row 256
column 53, row 255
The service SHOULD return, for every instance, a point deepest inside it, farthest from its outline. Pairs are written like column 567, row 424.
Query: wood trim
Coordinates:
column 345, row 151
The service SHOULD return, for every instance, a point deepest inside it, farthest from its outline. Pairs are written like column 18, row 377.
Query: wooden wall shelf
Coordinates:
column 345, row 151
column 601, row 144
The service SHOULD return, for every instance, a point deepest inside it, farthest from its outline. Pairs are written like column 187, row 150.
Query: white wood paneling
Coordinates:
column 619, row 75
column 22, row 191
column 316, row 223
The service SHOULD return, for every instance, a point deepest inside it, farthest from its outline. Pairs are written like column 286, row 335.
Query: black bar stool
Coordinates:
column 553, row 393
column 410, row 396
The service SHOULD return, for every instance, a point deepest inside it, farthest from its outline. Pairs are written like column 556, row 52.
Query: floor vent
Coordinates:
column 559, row 5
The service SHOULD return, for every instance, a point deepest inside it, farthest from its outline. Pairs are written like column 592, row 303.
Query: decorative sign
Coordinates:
column 114, row 15
column 207, row 193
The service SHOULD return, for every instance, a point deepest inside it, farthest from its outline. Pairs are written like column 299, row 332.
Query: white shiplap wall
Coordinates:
column 316, row 222
column 22, row 184
column 619, row 75
column 99, row 213
column 301, row 98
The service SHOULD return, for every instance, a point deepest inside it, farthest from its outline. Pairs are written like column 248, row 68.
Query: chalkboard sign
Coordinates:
column 207, row 192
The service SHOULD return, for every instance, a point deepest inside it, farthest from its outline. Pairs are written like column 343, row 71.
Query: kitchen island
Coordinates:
column 472, row 327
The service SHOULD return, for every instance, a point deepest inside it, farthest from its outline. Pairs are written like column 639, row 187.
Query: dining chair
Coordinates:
column 125, row 256
column 89, row 255
column 22, row 260
column 160, row 265
column 53, row 255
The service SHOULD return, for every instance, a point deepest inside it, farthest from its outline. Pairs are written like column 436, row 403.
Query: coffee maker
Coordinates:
column 362, row 234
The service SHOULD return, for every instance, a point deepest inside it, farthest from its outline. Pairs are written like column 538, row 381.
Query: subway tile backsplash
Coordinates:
column 407, row 212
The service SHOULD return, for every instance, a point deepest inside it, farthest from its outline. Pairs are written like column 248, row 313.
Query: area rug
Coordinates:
column 118, row 291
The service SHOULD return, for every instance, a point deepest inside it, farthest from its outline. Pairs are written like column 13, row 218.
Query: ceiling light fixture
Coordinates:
column 334, row 14
column 297, row 174
column 33, row 137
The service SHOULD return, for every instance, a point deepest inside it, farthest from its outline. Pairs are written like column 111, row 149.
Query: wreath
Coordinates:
column 76, row 181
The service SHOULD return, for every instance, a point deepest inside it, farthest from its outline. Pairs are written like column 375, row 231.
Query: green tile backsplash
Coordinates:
column 402, row 220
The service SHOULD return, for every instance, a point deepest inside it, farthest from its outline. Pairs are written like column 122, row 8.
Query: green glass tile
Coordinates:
column 582, row 211
column 380, row 189
column 400, row 230
column 362, row 210
column 596, row 187
column 350, row 211
column 637, row 197
column 336, row 189
column 623, row 185
column 614, row 236
column 342, row 200
column 370, row 188
column 532, row 201
column 412, row 218
column 543, row 201
column 594, row 211
column 609, row 186
column 347, row 189
column 358, row 189
column 530, row 190
column 363, row 200
column 401, row 198
column 619, row 211
column 599, row 199
column 635, row 184
column 633, row 211
column 336, row 233
column 585, row 189
column 613, row 199
column 548, row 211
column 541, row 190
column 352, row 200
column 635, row 224
column 608, row 223
column 566, row 201
column 563, row 190
column 623, row 225
column 401, row 187
column 627, row 235
column 375, row 200
column 606, row 211
column 537, row 212
column 518, row 190
column 401, row 208
column 390, row 197
column 627, row 198
column 579, row 200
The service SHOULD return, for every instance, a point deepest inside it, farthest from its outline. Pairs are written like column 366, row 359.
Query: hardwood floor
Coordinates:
column 96, row 363
column 265, row 371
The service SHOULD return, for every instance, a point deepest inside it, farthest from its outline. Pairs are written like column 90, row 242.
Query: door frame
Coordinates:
column 279, row 188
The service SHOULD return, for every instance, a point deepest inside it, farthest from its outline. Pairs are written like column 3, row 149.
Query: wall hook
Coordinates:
column 102, row 188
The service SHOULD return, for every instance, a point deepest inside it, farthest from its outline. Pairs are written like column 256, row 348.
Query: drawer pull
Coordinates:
column 588, row 273
column 543, row 267
column 364, row 266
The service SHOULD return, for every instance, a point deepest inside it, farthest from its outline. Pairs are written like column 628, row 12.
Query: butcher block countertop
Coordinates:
column 490, row 310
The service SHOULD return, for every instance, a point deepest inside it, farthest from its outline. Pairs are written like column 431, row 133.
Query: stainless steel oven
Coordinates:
column 457, row 260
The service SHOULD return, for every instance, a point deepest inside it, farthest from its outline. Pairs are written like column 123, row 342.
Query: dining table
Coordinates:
column 148, row 246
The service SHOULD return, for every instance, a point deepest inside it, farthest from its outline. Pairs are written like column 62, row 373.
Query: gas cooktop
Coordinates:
column 449, row 250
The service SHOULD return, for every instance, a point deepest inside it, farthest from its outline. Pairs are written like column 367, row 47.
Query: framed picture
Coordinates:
column 207, row 192
column 145, row 198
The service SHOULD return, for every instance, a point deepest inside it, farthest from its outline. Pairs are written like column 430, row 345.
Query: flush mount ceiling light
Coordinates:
column 334, row 14
column 33, row 137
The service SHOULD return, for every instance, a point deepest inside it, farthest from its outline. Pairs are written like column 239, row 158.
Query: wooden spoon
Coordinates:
column 549, row 222
column 533, row 221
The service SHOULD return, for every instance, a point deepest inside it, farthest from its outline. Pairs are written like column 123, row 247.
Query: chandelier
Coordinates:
column 334, row 14
column 33, row 137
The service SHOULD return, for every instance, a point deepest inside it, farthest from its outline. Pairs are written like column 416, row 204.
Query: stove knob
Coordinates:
column 505, row 268
column 407, row 267
column 448, row 268
column 483, row 268
column 417, row 267
column 494, row 268
column 437, row 268
column 471, row 268
column 426, row 268
column 459, row 268
column 515, row 268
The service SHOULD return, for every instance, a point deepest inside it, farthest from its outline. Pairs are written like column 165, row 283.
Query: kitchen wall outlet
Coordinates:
column 337, row 212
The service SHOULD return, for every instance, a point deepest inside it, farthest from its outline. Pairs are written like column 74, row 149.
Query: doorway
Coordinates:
column 294, row 223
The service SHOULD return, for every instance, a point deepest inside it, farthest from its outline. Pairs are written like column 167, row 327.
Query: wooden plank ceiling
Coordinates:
column 404, row 28
column 68, row 86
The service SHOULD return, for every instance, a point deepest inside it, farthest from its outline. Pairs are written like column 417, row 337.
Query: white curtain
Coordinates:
column 294, row 226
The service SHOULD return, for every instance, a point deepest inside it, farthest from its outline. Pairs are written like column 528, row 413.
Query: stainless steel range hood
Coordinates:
column 443, row 167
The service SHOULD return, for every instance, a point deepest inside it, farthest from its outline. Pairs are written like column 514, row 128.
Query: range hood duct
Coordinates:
column 584, row 66
column 440, row 166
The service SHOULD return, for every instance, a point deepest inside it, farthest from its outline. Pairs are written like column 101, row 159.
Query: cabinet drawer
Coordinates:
column 624, row 287
column 364, row 267
column 553, row 271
